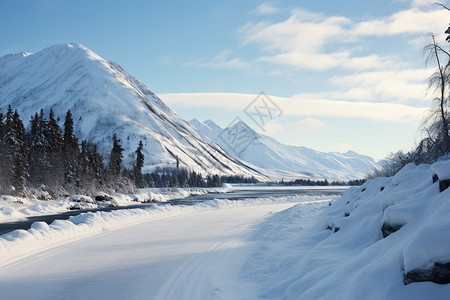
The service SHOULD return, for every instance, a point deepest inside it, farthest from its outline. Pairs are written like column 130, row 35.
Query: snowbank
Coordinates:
column 17, row 208
column 375, row 242
column 20, row 243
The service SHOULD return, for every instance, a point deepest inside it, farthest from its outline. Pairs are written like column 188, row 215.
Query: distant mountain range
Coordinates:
column 283, row 161
column 105, row 99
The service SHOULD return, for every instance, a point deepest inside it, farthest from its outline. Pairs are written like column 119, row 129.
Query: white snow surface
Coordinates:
column 287, row 162
column 105, row 99
column 14, row 208
column 278, row 248
column 190, row 235
column 299, row 258
column 442, row 169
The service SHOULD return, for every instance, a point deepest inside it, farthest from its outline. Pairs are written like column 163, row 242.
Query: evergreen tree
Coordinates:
column 2, row 127
column 70, row 150
column 116, row 157
column 98, row 167
column 54, row 150
column 84, row 164
column 37, row 156
column 20, row 174
column 54, row 134
column 138, row 166
column 19, row 151
column 3, row 161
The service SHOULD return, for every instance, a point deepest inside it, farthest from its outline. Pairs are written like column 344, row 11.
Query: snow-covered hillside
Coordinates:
column 106, row 99
column 288, row 162
column 388, row 239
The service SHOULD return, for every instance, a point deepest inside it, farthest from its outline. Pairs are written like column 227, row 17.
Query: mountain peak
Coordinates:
column 105, row 99
column 212, row 124
column 241, row 124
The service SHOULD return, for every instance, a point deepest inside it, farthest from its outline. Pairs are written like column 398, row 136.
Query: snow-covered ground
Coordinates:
column 262, row 187
column 17, row 208
column 175, row 252
column 375, row 242
column 342, row 251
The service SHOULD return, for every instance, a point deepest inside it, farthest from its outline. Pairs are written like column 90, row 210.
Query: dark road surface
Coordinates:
column 236, row 195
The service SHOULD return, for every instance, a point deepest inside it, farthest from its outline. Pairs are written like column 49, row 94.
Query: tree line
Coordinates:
column 54, row 160
column 324, row 182
column 181, row 177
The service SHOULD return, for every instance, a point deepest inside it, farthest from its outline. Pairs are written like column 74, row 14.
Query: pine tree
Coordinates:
column 70, row 150
column 20, row 174
column 83, row 164
column 97, row 166
column 54, row 134
column 116, row 157
column 37, row 156
column 2, row 127
column 54, row 149
column 3, row 161
column 138, row 166
column 19, row 150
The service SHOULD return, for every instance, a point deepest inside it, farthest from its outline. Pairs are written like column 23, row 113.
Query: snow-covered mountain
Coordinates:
column 284, row 161
column 106, row 99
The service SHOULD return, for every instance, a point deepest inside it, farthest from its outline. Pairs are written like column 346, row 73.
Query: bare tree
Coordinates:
column 437, row 123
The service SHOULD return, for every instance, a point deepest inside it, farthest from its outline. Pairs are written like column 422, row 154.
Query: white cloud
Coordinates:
column 266, row 8
column 309, row 125
column 419, row 3
column 412, row 21
column 300, row 32
column 303, row 106
column 386, row 85
column 308, row 40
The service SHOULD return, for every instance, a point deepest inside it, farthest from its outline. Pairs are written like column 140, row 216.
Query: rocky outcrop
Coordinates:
column 388, row 229
column 439, row 273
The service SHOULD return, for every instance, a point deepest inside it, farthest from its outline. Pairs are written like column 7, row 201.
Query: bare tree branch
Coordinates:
column 442, row 5
column 442, row 50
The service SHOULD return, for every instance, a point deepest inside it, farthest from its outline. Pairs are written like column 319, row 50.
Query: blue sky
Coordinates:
column 347, row 74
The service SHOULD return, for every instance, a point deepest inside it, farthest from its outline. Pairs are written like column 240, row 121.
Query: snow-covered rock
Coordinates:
column 442, row 169
column 17, row 208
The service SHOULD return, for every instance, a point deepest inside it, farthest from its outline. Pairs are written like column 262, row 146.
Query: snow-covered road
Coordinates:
column 193, row 256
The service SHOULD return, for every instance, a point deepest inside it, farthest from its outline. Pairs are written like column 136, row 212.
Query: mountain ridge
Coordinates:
column 287, row 161
column 105, row 99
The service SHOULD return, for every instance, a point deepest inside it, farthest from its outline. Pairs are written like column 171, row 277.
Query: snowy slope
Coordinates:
column 289, row 162
column 104, row 98
column 387, row 239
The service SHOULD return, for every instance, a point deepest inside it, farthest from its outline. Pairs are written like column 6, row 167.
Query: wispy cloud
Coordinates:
column 313, row 41
column 309, row 125
column 419, row 3
column 266, row 8
column 378, row 86
column 384, row 85
column 415, row 20
column 302, row 105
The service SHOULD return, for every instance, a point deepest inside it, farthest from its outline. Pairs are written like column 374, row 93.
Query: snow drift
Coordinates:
column 388, row 239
